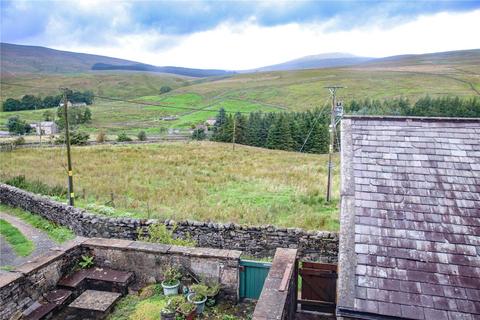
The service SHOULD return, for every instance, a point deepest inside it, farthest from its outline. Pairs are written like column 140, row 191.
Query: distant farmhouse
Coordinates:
column 410, row 219
column 45, row 127
column 210, row 122
column 75, row 104
column 169, row 118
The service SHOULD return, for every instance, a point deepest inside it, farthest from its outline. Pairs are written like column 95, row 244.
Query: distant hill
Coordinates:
column 17, row 59
column 189, row 72
column 325, row 60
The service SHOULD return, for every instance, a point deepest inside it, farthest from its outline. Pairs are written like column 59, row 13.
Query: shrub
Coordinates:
column 101, row 137
column 142, row 136
column 171, row 276
column 122, row 137
column 17, row 126
column 200, row 290
column 76, row 138
column 165, row 89
column 159, row 233
column 19, row 141
column 37, row 186
column 199, row 134
column 105, row 210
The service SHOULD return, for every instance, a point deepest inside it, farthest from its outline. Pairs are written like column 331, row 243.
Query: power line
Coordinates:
column 321, row 113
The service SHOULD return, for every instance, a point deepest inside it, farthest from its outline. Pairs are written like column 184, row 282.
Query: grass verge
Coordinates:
column 57, row 233
column 21, row 245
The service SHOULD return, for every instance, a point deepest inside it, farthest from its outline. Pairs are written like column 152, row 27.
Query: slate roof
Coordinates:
column 410, row 221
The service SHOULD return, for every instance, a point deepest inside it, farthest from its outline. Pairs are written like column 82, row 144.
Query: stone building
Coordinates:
column 410, row 219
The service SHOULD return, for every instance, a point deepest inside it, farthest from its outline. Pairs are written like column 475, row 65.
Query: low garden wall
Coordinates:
column 26, row 283
column 258, row 241
column 278, row 298
column 149, row 260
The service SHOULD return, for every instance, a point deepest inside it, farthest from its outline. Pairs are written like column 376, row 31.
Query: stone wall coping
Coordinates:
column 128, row 245
column 48, row 257
column 272, row 300
column 6, row 278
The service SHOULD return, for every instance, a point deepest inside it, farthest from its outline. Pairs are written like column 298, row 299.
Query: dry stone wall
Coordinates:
column 258, row 241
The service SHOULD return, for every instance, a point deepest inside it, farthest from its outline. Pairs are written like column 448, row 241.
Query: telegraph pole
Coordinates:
column 234, row 129
column 333, row 92
column 71, row 195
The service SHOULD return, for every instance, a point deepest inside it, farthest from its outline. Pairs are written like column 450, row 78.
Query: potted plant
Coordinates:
column 171, row 281
column 188, row 310
column 212, row 294
column 198, row 296
column 169, row 312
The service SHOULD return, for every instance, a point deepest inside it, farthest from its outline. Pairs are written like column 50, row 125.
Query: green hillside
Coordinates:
column 412, row 77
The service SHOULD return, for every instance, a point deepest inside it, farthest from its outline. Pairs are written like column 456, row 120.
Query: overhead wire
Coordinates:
column 321, row 113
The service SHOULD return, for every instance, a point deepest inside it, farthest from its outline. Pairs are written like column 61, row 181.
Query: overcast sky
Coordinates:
column 241, row 34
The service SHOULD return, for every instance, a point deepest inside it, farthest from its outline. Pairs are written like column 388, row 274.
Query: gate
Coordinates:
column 252, row 278
column 319, row 287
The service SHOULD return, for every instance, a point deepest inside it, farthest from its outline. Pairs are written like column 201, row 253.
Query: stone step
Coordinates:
column 47, row 305
column 103, row 279
column 91, row 305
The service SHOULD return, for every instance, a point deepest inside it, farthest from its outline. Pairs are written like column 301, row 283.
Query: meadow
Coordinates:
column 190, row 180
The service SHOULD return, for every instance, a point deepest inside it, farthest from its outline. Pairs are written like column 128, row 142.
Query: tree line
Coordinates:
column 424, row 107
column 31, row 102
column 282, row 130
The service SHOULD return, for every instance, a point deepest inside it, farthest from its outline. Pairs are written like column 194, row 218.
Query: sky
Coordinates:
column 239, row 35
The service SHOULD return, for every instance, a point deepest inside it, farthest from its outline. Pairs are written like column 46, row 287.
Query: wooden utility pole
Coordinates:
column 71, row 194
column 333, row 92
column 234, row 129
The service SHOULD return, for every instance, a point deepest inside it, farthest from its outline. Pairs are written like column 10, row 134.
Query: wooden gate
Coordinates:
column 252, row 278
column 319, row 286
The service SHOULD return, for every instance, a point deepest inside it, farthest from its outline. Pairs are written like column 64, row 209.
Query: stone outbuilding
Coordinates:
column 410, row 219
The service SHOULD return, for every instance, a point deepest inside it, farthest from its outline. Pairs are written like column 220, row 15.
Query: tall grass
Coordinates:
column 199, row 180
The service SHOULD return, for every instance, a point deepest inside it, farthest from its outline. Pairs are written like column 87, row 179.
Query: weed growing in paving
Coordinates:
column 55, row 232
column 20, row 244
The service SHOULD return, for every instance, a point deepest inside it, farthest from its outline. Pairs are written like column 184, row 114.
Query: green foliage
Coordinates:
column 122, row 137
column 36, row 186
column 449, row 106
column 175, row 302
column 102, row 209
column 76, row 116
column 142, row 136
column 282, row 131
column 158, row 233
column 17, row 126
column 20, row 244
column 201, row 291
column 47, row 115
column 57, row 233
column 31, row 102
column 76, row 138
column 171, row 276
column 86, row 262
column 199, row 134
column 165, row 89
column 186, row 307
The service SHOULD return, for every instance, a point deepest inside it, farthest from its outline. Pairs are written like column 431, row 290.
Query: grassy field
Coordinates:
column 21, row 245
column 267, row 91
column 194, row 180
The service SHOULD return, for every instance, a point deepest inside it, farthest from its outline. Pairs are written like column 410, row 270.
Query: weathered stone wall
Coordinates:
column 26, row 283
column 259, row 241
column 149, row 260
column 278, row 298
